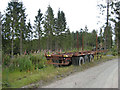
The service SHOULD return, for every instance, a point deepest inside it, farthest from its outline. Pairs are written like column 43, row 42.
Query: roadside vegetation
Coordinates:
column 0, row 76
column 33, row 69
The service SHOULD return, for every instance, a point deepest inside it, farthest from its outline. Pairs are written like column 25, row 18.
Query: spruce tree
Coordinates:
column 117, row 24
column 49, row 27
column 60, row 28
column 38, row 26
column 0, row 34
column 22, row 25
column 14, row 23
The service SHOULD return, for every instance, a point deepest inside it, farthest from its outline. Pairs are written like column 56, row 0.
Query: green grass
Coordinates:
column 0, row 77
column 18, row 79
column 0, row 69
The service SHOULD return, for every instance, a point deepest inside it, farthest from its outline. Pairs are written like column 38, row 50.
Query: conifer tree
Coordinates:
column 38, row 26
column 49, row 27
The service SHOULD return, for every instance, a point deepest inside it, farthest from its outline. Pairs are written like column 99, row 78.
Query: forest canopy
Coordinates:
column 50, row 32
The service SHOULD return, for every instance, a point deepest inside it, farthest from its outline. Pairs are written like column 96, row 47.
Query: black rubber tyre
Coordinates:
column 86, row 58
column 81, row 61
column 91, row 58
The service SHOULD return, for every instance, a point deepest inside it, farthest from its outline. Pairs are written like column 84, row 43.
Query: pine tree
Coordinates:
column 93, row 38
column 6, row 40
column 0, row 33
column 22, row 24
column 85, row 41
column 29, row 35
column 107, row 31
column 29, row 31
column 117, row 24
column 68, row 40
column 49, row 27
column 14, row 23
column 60, row 24
column 38, row 26
column 12, row 14
column 101, row 37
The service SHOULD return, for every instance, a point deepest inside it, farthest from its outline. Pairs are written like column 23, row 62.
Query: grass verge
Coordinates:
column 46, row 75
column 0, row 77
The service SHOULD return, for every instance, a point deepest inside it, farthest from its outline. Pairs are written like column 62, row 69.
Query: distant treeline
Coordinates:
column 47, row 33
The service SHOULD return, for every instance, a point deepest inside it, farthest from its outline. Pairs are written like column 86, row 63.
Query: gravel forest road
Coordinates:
column 104, row 75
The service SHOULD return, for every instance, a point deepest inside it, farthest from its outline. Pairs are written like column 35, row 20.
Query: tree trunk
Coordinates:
column 48, row 42
column 106, row 38
column 21, row 42
column 0, row 38
column 56, row 44
column 12, row 45
column 39, row 43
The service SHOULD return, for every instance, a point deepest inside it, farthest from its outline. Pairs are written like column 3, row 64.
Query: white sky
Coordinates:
column 78, row 12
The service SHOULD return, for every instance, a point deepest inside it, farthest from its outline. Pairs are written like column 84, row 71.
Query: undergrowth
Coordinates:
column 30, row 69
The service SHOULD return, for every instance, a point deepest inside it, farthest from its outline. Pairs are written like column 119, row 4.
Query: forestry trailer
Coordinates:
column 75, row 58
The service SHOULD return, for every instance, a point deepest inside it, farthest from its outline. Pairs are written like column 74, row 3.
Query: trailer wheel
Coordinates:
column 81, row 60
column 91, row 58
column 86, row 58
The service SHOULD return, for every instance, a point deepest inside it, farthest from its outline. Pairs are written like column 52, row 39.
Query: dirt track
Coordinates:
column 104, row 75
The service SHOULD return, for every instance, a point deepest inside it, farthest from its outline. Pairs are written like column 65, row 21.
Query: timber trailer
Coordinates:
column 74, row 58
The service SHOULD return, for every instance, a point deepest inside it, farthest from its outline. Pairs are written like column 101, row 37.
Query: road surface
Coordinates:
column 104, row 75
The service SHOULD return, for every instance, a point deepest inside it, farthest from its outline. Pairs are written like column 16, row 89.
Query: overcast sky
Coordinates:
column 78, row 12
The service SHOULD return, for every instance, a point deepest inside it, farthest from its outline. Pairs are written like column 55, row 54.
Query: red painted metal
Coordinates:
column 64, row 58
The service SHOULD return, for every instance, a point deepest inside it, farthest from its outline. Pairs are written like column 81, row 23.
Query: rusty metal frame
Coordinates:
column 68, row 56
